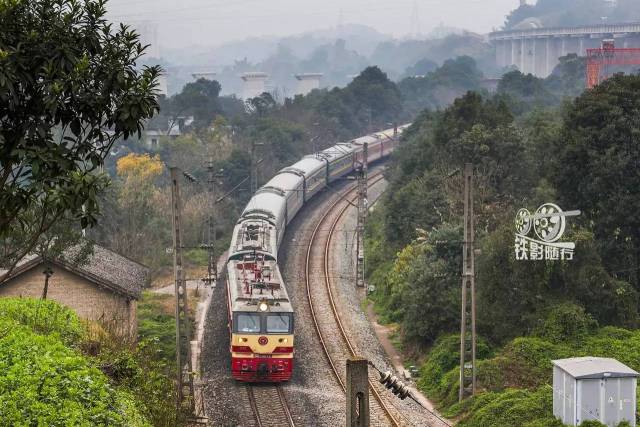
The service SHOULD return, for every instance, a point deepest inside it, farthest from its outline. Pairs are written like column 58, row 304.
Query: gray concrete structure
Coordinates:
column 594, row 388
column 307, row 82
column 254, row 84
column 536, row 51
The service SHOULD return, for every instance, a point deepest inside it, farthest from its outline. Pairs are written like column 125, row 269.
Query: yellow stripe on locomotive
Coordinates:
column 262, row 346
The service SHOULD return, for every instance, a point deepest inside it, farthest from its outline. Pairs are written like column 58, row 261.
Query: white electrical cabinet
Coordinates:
column 594, row 388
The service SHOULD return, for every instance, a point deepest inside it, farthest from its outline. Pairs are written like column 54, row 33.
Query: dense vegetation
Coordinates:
column 57, row 370
column 69, row 88
column 580, row 154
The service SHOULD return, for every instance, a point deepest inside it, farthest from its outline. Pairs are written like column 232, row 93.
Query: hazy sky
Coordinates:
column 211, row 22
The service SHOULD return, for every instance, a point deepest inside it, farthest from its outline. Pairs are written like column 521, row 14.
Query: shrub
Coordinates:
column 43, row 317
column 42, row 382
column 146, row 380
column 567, row 323
column 439, row 374
column 513, row 408
column 527, row 361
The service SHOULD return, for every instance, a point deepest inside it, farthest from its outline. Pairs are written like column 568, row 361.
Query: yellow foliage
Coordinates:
column 141, row 167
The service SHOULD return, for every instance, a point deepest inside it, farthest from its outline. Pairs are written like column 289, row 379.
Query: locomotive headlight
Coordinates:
column 263, row 306
column 284, row 340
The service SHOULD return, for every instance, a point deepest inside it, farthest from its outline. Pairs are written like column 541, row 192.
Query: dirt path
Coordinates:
column 383, row 333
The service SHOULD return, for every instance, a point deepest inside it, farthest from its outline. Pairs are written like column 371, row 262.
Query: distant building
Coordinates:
column 106, row 289
column 307, row 82
column 148, row 32
column 254, row 84
column 490, row 84
column 163, row 87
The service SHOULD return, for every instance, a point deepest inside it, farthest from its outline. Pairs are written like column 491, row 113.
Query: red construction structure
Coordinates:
column 599, row 61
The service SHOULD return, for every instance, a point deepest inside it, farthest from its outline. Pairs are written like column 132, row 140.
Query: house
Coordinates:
column 105, row 289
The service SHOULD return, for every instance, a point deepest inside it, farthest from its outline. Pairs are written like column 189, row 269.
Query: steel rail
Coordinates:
column 274, row 414
column 377, row 178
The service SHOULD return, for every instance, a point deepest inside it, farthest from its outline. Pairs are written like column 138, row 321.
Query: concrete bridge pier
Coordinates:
column 537, row 50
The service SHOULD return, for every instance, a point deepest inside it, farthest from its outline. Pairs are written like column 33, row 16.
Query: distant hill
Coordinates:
column 338, row 53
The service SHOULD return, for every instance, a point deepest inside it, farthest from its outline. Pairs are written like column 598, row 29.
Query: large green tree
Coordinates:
column 598, row 170
column 69, row 88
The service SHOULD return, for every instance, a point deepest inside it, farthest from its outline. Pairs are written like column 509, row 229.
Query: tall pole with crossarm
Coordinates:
column 468, row 318
column 183, row 334
column 362, row 216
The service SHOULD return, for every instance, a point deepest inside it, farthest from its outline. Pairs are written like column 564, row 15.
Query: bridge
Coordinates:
column 537, row 50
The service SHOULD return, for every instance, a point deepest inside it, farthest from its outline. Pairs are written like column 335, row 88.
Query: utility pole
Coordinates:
column 362, row 216
column 254, row 166
column 468, row 320
column 183, row 334
column 357, row 392
column 212, row 268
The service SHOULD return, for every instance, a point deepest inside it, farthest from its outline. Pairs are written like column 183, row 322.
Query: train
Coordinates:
column 261, row 317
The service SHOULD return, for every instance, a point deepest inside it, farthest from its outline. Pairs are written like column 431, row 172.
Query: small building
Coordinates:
column 104, row 289
column 594, row 388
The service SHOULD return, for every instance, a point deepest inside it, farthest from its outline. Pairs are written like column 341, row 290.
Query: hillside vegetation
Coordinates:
column 56, row 370
column 580, row 154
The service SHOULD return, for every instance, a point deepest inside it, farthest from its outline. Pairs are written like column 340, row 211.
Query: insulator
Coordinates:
column 394, row 384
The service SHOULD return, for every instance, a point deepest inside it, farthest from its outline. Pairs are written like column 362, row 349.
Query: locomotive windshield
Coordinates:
column 248, row 322
column 278, row 323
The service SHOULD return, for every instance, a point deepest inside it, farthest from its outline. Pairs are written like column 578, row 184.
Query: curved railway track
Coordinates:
column 390, row 412
column 269, row 406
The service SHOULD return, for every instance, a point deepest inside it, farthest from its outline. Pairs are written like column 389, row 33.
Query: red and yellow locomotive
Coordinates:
column 260, row 313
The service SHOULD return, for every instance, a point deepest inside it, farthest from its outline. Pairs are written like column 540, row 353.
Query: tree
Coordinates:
column 597, row 170
column 199, row 98
column 137, row 201
column 69, row 88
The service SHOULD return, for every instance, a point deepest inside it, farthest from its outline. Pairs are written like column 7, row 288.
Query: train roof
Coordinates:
column 309, row 165
column 337, row 151
column 251, row 236
column 284, row 181
column 265, row 205
column 254, row 281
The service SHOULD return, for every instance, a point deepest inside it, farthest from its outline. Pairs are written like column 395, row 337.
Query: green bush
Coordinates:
column 567, row 323
column 43, row 382
column 439, row 374
column 513, row 408
column 43, row 317
column 155, row 323
column 146, row 378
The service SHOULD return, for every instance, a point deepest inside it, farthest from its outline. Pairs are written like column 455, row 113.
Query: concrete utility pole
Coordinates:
column 254, row 166
column 362, row 216
column 183, row 334
column 357, row 392
column 212, row 268
column 468, row 320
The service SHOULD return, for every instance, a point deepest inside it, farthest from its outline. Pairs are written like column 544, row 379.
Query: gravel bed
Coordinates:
column 314, row 396
column 355, row 321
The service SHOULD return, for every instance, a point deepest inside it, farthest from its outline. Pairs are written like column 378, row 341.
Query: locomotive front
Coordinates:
column 261, row 324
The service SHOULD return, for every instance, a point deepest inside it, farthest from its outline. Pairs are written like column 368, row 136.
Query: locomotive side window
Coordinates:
column 278, row 323
column 248, row 323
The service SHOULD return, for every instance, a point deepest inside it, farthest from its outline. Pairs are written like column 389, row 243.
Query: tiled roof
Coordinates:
column 104, row 267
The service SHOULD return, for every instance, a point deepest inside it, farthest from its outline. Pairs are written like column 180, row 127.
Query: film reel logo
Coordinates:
column 549, row 223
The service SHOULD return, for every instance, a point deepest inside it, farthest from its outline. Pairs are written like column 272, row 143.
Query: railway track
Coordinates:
column 269, row 406
column 392, row 415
